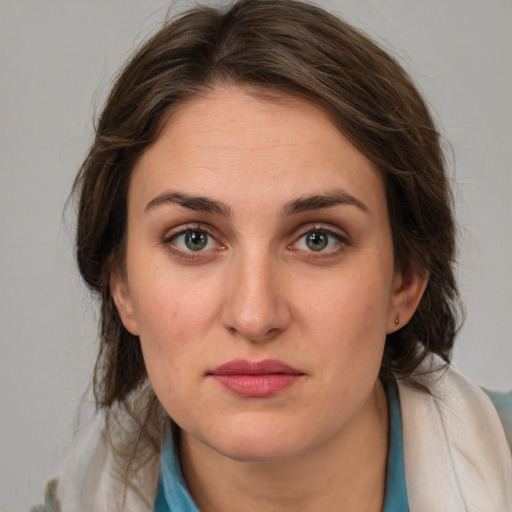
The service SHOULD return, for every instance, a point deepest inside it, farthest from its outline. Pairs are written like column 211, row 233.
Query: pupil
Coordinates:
column 317, row 241
column 195, row 240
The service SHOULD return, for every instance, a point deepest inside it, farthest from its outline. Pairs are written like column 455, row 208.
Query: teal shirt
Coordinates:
column 503, row 404
column 173, row 495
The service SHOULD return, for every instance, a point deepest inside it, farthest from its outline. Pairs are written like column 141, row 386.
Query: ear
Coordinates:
column 408, row 289
column 122, row 299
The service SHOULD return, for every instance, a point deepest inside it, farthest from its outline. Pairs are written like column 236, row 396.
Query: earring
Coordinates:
column 397, row 320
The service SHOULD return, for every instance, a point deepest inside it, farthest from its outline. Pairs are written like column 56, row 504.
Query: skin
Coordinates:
column 257, row 290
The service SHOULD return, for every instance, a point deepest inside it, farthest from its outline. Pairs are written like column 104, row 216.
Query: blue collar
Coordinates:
column 395, row 499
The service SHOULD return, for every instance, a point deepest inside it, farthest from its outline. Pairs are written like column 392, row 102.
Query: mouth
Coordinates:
column 255, row 379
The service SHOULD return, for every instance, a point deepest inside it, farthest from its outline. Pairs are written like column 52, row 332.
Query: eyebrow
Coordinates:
column 301, row 204
column 197, row 203
column 319, row 201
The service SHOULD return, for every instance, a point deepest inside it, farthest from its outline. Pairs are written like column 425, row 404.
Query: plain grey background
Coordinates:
column 57, row 59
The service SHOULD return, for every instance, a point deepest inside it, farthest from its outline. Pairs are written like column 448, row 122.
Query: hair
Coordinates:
column 293, row 48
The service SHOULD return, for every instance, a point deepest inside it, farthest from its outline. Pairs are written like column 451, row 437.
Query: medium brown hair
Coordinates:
column 299, row 49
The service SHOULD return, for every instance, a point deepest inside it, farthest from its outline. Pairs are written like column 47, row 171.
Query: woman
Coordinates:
column 265, row 215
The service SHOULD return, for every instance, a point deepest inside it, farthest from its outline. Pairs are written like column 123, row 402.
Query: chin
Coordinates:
column 259, row 443
column 261, row 452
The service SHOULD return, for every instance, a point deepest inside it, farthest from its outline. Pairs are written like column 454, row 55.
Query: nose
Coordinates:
column 255, row 307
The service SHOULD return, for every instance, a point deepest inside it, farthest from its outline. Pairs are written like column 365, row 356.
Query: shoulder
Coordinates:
column 462, row 394
column 80, row 472
column 503, row 404
column 459, row 400
column 91, row 476
column 463, row 455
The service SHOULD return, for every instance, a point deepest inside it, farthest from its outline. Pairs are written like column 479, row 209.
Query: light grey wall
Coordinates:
column 56, row 60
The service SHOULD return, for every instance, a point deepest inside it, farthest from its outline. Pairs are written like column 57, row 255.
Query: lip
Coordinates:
column 255, row 379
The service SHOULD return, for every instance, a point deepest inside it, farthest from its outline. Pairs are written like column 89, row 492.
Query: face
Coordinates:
column 259, row 274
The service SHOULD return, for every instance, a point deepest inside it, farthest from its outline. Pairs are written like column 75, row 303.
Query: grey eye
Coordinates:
column 316, row 241
column 196, row 240
column 319, row 241
column 192, row 240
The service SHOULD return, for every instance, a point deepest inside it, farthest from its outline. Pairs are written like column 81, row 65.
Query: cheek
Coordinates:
column 175, row 309
column 352, row 302
column 348, row 319
column 173, row 324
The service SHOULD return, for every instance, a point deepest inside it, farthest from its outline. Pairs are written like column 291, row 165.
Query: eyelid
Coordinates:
column 325, row 227
column 329, row 230
column 189, row 226
column 190, row 255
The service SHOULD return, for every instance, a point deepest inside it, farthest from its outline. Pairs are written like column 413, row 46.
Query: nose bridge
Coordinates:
column 255, row 308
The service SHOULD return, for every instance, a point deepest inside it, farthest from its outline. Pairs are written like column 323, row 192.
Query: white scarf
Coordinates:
column 457, row 457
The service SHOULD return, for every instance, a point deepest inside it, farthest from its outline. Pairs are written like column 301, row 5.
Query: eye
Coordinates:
column 192, row 240
column 319, row 240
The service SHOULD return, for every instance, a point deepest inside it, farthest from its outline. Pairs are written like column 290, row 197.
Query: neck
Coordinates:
column 348, row 472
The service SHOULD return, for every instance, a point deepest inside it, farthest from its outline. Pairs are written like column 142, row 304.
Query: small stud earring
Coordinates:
column 397, row 320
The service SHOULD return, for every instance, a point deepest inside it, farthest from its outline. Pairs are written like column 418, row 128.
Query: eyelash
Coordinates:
column 170, row 242
column 320, row 230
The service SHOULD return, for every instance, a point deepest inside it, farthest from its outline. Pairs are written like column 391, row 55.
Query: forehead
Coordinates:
column 243, row 143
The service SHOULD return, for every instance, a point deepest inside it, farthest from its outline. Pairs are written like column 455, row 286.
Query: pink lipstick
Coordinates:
column 255, row 379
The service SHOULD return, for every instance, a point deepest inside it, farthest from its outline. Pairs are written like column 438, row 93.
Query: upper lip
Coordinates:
column 245, row 367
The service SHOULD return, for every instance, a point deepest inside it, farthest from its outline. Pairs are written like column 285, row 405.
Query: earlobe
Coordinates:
column 122, row 299
column 408, row 289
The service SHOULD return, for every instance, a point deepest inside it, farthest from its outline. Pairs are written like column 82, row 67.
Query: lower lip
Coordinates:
column 257, row 386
